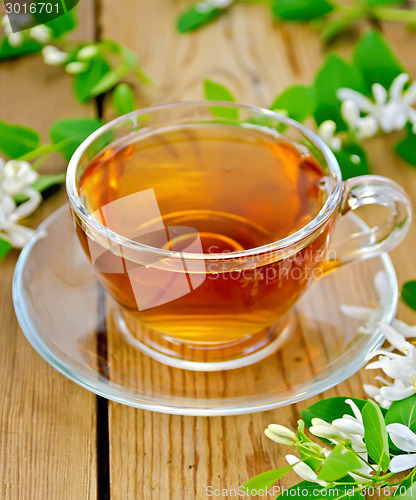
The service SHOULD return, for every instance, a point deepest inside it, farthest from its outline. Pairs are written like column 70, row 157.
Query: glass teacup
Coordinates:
column 206, row 221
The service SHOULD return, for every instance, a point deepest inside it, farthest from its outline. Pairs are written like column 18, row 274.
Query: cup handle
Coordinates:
column 372, row 190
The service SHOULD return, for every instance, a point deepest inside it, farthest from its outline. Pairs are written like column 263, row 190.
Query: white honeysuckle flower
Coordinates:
column 280, row 434
column 15, row 39
column 348, row 428
column 363, row 127
column 208, row 5
column 40, row 33
column 400, row 367
column 404, row 99
column 16, row 176
column 341, row 430
column 53, row 56
column 10, row 231
column 326, row 132
column 73, row 68
column 87, row 53
column 304, row 471
column 391, row 110
column 405, row 440
column 375, row 109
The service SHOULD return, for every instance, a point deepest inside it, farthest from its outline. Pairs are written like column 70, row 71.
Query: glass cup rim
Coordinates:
column 299, row 235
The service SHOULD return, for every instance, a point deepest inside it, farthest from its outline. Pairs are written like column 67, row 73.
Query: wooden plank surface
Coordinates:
column 47, row 423
column 156, row 456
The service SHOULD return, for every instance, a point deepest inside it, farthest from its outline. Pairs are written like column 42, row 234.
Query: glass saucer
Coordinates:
column 68, row 319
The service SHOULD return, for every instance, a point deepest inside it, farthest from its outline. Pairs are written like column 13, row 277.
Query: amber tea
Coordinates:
column 205, row 188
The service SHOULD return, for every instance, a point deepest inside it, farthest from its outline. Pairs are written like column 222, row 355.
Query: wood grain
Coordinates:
column 47, row 423
column 157, row 456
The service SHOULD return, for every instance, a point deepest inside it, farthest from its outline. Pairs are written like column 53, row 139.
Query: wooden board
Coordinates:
column 47, row 423
column 48, row 427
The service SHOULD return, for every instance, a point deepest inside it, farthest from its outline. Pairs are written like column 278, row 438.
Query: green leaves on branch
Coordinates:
column 97, row 67
column 331, row 17
column 373, row 62
column 107, row 68
column 357, row 460
column 18, row 142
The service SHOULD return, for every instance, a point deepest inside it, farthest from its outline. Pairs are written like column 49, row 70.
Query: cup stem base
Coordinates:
column 216, row 357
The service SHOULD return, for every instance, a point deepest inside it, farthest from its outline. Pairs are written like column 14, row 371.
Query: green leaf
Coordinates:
column 123, row 99
column 71, row 132
column 63, row 24
column 27, row 47
column 313, row 490
column 408, row 293
column 375, row 435
column 374, row 57
column 330, row 409
column 192, row 18
column 300, row 10
column 44, row 182
column 216, row 92
column 406, row 485
column 297, row 100
column 352, row 161
column 382, row 2
column 16, row 140
column 410, row 493
column 339, row 463
column 403, row 412
column 310, row 455
column 406, row 148
column 334, row 74
column 109, row 80
column 266, row 479
column 129, row 57
column 84, row 82
column 4, row 248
